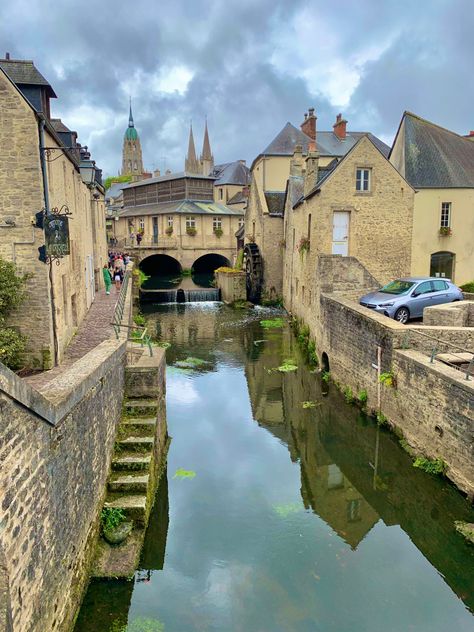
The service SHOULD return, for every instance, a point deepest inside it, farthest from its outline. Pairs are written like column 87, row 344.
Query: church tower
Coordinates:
column 207, row 159
column 191, row 163
column 132, row 161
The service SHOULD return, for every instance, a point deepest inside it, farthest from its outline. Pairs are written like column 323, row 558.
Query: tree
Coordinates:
column 12, row 294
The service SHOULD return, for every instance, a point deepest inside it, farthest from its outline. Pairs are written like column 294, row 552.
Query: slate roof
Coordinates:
column 24, row 72
column 238, row 198
column 232, row 173
column 115, row 190
column 436, row 157
column 169, row 176
column 275, row 202
column 59, row 126
column 327, row 143
column 186, row 207
column 294, row 189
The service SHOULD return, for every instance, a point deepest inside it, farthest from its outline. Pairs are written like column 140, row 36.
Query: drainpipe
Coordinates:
column 44, row 169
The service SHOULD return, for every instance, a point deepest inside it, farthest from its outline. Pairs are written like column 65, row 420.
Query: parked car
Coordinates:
column 403, row 299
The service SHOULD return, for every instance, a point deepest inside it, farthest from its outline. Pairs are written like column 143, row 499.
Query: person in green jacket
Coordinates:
column 107, row 279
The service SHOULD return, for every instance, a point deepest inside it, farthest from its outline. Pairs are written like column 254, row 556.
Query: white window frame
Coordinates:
column 363, row 179
column 141, row 224
column 217, row 223
column 170, row 221
column 445, row 217
column 190, row 221
column 241, row 221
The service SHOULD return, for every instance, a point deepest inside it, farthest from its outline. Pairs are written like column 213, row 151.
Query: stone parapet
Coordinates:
column 232, row 286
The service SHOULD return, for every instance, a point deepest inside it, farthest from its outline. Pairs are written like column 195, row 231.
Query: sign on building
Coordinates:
column 56, row 232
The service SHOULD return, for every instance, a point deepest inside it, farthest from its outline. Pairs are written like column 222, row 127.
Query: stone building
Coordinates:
column 132, row 160
column 358, row 208
column 42, row 170
column 440, row 165
column 269, row 176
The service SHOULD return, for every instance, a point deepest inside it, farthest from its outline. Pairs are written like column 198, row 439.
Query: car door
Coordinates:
column 440, row 292
column 420, row 298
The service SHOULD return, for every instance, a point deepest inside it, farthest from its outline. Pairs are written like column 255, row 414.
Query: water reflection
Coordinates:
column 298, row 519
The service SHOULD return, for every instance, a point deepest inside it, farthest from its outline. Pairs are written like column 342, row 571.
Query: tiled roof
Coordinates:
column 24, row 72
column 238, row 198
column 436, row 157
column 232, row 173
column 295, row 188
column 186, row 207
column 275, row 202
column 327, row 143
column 169, row 176
column 115, row 190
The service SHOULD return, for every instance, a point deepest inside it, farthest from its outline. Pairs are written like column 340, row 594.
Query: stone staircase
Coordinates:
column 132, row 484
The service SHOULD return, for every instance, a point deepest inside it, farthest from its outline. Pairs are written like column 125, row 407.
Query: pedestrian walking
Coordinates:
column 107, row 278
column 117, row 279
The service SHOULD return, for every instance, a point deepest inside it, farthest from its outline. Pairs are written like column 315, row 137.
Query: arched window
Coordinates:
column 442, row 265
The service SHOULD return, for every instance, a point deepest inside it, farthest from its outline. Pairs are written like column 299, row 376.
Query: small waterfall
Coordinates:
column 181, row 295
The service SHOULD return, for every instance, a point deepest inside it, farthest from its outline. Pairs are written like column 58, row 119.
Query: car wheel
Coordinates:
column 402, row 315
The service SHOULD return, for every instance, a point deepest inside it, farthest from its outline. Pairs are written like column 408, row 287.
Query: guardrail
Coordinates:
column 133, row 331
column 457, row 358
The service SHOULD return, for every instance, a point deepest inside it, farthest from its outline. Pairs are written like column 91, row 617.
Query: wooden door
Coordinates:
column 340, row 233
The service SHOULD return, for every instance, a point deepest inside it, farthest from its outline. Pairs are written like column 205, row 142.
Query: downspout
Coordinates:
column 44, row 169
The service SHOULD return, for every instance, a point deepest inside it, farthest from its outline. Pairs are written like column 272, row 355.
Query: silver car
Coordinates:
column 407, row 298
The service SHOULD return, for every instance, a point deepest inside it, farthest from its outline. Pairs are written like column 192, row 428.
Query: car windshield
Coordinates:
column 397, row 287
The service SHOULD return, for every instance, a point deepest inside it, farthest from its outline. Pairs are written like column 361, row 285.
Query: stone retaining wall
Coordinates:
column 232, row 286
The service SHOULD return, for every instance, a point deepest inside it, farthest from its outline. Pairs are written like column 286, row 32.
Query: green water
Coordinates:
column 296, row 519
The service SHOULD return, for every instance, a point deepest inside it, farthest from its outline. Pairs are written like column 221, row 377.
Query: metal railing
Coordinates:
column 462, row 355
column 133, row 331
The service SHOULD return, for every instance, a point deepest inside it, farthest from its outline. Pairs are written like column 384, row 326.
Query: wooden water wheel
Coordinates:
column 254, row 272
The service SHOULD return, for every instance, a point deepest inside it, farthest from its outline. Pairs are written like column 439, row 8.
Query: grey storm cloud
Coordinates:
column 247, row 65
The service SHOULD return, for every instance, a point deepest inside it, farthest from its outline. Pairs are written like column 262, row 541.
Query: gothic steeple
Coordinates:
column 207, row 159
column 132, row 161
column 191, row 164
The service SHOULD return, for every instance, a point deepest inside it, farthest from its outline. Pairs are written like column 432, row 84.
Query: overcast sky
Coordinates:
column 249, row 65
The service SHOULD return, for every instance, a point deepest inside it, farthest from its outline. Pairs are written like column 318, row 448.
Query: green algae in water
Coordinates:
column 191, row 363
column 287, row 510
column 287, row 366
column 163, row 345
column 181, row 473
column 310, row 404
column 142, row 624
column 273, row 323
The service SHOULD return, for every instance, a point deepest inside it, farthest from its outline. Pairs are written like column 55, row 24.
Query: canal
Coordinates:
column 280, row 515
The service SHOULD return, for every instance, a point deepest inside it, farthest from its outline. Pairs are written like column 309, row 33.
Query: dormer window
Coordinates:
column 363, row 180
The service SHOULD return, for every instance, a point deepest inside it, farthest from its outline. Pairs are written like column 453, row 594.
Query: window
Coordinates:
column 241, row 222
column 442, row 265
column 141, row 224
column 190, row 221
column 170, row 221
column 221, row 194
column 439, row 286
column 445, row 215
column 423, row 288
column 217, row 223
column 309, row 227
column 363, row 180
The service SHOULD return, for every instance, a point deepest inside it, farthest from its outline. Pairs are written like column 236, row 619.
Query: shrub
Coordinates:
column 468, row 287
column 218, row 232
column 325, row 376
column 111, row 518
column 362, row 397
column 382, row 421
column 388, row 379
column 303, row 246
column 139, row 320
column 348, row 395
column 12, row 346
column 12, row 288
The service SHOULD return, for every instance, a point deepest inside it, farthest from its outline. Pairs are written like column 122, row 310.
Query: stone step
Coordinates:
column 141, row 407
column 129, row 483
column 131, row 462
column 139, row 423
column 132, row 505
column 137, row 444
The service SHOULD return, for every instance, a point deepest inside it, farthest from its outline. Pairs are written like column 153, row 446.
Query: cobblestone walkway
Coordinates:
column 94, row 329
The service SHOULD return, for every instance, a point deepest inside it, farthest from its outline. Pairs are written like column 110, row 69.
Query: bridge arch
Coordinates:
column 159, row 264
column 209, row 263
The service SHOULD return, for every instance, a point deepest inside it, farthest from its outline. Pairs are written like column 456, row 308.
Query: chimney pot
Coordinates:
column 339, row 127
column 308, row 126
column 311, row 111
column 305, row 116
column 7, row 55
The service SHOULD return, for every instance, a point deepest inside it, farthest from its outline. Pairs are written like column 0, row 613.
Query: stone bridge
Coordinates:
column 174, row 254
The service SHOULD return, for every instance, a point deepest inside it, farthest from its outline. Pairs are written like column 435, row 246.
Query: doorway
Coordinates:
column 340, row 233
column 442, row 265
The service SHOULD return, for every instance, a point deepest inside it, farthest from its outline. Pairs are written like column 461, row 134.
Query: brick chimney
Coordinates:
column 311, row 168
column 339, row 127
column 308, row 126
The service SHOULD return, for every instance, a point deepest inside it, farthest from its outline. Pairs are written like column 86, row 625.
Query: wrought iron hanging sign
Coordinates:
column 56, row 234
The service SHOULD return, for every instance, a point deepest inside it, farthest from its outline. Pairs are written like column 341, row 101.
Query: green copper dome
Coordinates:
column 131, row 134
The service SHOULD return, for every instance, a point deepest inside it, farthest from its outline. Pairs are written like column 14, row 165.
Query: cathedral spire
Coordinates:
column 191, row 163
column 130, row 118
column 207, row 159
column 132, row 160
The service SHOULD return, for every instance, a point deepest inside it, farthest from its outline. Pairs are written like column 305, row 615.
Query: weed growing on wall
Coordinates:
column 325, row 376
column 307, row 346
column 287, row 366
column 436, row 467
column 388, row 379
column 362, row 397
column 111, row 518
column 348, row 395
column 382, row 421
column 139, row 320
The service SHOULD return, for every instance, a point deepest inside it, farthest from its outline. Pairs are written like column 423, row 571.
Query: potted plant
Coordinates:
column 191, row 231
column 218, row 232
column 169, row 231
column 445, row 230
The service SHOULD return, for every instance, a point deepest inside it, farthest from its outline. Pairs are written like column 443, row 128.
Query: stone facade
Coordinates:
column 57, row 299
column 52, row 484
column 232, row 286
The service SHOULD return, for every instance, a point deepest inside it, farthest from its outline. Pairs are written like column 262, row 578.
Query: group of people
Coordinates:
column 115, row 270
